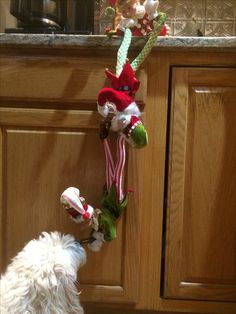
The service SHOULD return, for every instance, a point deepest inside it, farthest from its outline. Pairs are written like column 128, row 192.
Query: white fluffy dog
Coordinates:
column 41, row 278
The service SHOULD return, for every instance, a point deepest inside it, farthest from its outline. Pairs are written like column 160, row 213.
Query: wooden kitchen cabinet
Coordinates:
column 175, row 249
column 194, row 110
column 50, row 141
column 201, row 207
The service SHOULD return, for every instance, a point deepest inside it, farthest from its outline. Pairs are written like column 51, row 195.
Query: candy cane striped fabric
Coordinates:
column 109, row 164
column 71, row 197
column 115, row 174
column 119, row 169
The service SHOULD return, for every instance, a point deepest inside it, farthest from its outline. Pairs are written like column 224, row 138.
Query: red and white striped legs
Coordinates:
column 109, row 164
column 115, row 174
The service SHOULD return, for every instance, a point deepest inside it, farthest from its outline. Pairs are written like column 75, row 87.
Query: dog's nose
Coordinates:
column 84, row 241
column 81, row 251
column 77, row 242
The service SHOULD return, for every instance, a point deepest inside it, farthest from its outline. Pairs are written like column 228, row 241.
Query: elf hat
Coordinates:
column 109, row 98
column 136, row 133
column 126, row 81
column 75, row 204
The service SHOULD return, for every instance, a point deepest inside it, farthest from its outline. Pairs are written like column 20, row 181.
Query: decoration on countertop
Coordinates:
column 137, row 16
column 121, row 114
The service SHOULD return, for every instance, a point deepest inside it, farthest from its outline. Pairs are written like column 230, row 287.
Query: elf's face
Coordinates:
column 129, row 8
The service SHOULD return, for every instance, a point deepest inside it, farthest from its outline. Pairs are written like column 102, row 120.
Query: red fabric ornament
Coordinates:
column 86, row 215
column 112, row 2
column 126, row 78
column 120, row 99
column 124, row 88
column 72, row 212
column 85, row 206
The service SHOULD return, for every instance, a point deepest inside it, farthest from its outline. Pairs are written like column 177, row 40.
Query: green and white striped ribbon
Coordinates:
column 123, row 51
column 150, row 43
column 124, row 47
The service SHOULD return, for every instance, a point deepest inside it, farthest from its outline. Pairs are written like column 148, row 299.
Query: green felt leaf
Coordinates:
column 111, row 202
column 106, row 223
column 110, row 212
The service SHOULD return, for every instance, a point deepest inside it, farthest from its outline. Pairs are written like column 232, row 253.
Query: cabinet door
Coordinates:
column 200, row 253
column 39, row 162
column 43, row 151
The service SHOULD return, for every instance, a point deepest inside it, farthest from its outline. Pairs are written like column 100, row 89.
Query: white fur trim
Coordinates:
column 98, row 236
column 132, row 109
column 90, row 210
column 103, row 110
column 96, row 245
column 126, row 23
column 122, row 119
column 70, row 197
column 107, row 108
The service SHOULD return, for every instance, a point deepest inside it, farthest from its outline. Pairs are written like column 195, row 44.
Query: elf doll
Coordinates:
column 121, row 114
column 138, row 17
column 119, row 101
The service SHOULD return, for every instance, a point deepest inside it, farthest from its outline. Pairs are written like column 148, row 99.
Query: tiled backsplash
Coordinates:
column 185, row 17
column 194, row 17
column 210, row 17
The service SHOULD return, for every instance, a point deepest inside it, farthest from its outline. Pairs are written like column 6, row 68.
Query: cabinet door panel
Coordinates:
column 201, row 206
column 43, row 153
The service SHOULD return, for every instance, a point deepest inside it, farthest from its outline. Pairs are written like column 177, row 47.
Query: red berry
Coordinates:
column 86, row 216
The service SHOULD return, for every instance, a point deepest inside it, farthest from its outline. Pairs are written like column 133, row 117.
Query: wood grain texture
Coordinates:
column 49, row 115
column 53, row 118
column 1, row 200
column 196, row 59
column 202, row 176
column 152, row 174
column 56, row 78
column 44, row 152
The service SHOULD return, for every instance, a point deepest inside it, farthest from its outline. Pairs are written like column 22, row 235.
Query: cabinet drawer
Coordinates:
column 56, row 78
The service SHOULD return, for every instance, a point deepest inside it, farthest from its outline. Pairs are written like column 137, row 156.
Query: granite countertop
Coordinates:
column 101, row 41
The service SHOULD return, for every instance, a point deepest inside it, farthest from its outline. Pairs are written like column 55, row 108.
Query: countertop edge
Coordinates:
column 102, row 41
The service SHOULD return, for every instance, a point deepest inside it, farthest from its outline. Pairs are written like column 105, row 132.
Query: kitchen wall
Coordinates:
column 210, row 17
column 185, row 17
column 6, row 19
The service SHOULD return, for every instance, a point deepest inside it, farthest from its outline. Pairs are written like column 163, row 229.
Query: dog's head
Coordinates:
column 41, row 278
column 51, row 258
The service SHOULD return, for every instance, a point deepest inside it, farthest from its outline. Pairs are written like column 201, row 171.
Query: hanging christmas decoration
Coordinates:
column 117, row 101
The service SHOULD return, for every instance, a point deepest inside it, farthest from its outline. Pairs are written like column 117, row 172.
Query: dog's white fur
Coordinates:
column 41, row 278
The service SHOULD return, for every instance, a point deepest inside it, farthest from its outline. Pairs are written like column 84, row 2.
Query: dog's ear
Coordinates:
column 45, row 281
column 65, row 295
column 59, row 271
column 67, row 273
column 56, row 290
